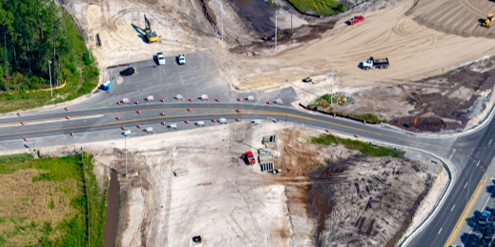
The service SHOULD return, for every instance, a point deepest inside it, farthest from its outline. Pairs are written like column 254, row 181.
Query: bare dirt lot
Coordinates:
column 217, row 196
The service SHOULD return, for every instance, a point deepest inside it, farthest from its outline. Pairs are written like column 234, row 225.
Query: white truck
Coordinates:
column 375, row 63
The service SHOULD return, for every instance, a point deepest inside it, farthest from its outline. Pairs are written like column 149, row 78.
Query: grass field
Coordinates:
column 363, row 147
column 318, row 7
column 44, row 202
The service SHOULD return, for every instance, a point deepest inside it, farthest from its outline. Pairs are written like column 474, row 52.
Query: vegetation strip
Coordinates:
column 365, row 148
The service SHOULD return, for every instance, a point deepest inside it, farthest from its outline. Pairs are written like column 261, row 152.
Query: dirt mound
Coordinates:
column 366, row 201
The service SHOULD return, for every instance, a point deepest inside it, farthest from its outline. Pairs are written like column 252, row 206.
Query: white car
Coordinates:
column 160, row 58
column 181, row 59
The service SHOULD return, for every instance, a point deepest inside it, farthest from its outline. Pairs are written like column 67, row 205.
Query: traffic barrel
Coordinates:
column 25, row 139
column 163, row 113
column 268, row 102
column 71, row 133
column 187, row 121
column 118, row 118
column 18, row 114
column 118, row 102
column 164, row 123
column 137, row 102
column 275, row 120
column 163, row 100
column 190, row 99
column 238, row 110
column 238, row 119
column 189, row 109
column 239, row 99
column 364, row 121
column 68, row 117
column 123, row 127
column 357, row 136
column 66, row 108
column 214, row 120
column 139, row 126
column 138, row 111
column 334, row 114
column 217, row 99
column 328, row 130
column 22, row 122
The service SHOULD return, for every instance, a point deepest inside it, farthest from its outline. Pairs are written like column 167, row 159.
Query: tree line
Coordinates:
column 36, row 34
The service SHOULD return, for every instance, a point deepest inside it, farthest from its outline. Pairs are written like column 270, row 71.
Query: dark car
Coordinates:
column 127, row 72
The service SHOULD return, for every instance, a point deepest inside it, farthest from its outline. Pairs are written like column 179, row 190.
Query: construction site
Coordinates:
column 288, row 191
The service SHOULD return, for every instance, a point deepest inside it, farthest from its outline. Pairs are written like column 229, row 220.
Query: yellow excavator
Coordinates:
column 151, row 36
column 488, row 20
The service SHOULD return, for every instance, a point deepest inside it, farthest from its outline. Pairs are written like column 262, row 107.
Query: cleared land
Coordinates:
column 44, row 202
column 216, row 195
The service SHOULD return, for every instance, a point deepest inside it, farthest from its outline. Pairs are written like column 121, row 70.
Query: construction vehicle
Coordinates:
column 375, row 63
column 486, row 22
column 249, row 158
column 151, row 36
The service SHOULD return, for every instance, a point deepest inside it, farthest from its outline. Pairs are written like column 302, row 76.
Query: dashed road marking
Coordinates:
column 465, row 185
column 452, row 208
column 440, row 231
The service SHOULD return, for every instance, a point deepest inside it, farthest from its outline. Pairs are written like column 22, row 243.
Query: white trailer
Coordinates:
column 204, row 97
column 150, row 98
column 173, row 126
column 126, row 101
column 256, row 121
column 179, row 97
column 250, row 98
column 200, row 123
column 222, row 120
column 127, row 132
column 149, row 130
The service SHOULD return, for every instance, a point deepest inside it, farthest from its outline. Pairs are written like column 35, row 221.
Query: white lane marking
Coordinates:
column 439, row 231
column 465, row 185
column 490, row 142
column 450, row 157
column 477, row 164
column 452, row 208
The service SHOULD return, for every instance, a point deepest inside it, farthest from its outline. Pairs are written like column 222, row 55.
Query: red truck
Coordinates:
column 355, row 20
column 249, row 158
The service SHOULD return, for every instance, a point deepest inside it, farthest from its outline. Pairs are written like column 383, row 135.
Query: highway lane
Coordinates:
column 452, row 215
column 150, row 113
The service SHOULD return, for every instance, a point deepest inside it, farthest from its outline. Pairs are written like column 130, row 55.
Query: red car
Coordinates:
column 355, row 20
column 249, row 158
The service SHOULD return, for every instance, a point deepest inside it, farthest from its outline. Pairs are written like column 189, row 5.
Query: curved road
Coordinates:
column 466, row 153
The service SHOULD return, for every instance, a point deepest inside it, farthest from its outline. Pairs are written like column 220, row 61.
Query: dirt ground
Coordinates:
column 217, row 196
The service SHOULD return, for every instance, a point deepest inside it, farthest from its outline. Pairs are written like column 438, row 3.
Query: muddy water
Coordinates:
column 113, row 201
column 258, row 13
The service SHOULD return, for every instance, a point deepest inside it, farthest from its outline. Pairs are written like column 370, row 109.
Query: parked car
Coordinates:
column 484, row 218
column 127, row 72
column 181, row 59
column 355, row 20
column 161, row 58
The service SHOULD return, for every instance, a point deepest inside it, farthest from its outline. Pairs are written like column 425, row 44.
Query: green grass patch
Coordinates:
column 370, row 118
column 363, row 147
column 56, row 188
column 318, row 7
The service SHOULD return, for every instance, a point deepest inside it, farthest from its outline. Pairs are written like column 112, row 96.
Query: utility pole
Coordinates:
column 125, row 144
column 50, row 74
column 276, row 28
column 331, row 88
column 221, row 19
